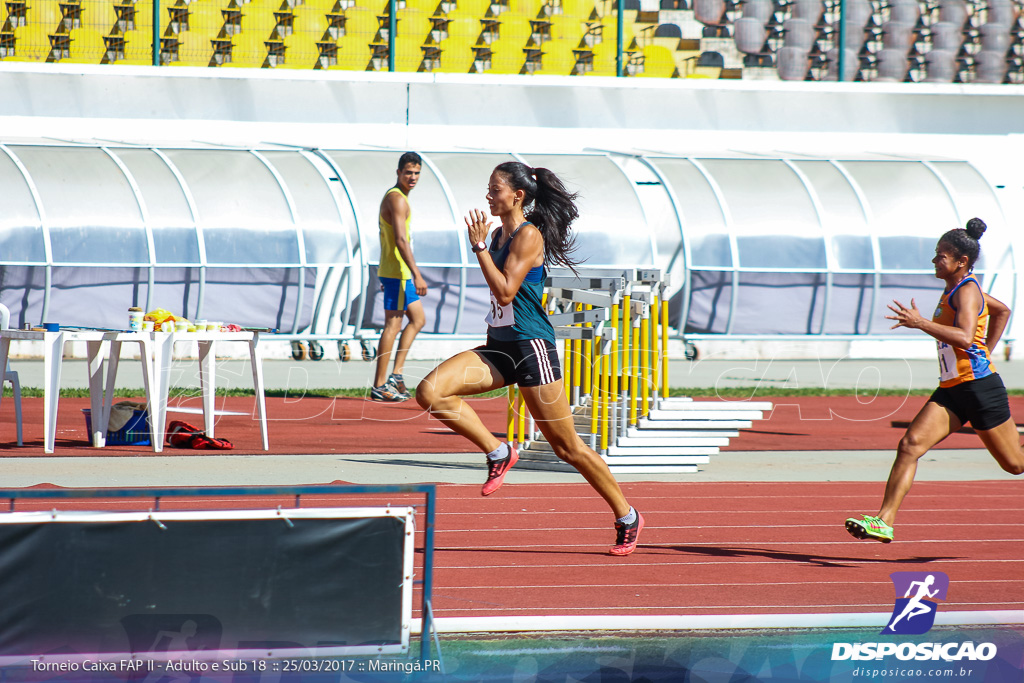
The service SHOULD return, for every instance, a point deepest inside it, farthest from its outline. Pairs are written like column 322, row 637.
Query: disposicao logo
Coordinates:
column 914, row 612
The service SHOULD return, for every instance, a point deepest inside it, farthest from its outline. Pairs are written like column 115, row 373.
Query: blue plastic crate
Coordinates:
column 135, row 433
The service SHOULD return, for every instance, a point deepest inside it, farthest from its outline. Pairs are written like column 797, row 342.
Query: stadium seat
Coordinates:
column 892, row 65
column 258, row 17
column 940, row 66
column 799, row 33
column 658, row 63
column 793, row 63
column 301, row 51
column 709, row 12
column 995, row 38
column 248, row 49
column 558, row 59
column 897, row 35
column 953, row 11
column 905, row 11
column 44, row 13
column 851, row 65
column 811, row 10
column 98, row 15
column 87, row 46
column 1002, row 12
column 750, row 35
column 990, row 67
column 946, row 36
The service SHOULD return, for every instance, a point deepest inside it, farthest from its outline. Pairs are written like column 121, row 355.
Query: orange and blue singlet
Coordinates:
column 963, row 365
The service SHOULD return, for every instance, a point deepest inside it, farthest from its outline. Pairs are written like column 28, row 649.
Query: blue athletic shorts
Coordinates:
column 398, row 294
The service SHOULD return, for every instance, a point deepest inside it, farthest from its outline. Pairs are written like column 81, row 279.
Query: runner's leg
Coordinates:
column 550, row 411
column 1003, row 442
column 441, row 391
column 931, row 425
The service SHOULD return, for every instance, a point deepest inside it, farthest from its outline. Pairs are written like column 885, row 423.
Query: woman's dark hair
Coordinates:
column 548, row 205
column 964, row 241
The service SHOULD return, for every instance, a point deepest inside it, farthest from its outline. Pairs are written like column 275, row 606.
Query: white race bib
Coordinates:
column 947, row 362
column 500, row 316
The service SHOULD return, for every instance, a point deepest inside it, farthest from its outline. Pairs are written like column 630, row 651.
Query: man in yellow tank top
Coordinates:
column 400, row 281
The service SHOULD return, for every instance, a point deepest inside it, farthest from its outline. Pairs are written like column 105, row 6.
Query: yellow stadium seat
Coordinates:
column 205, row 16
column 31, row 44
column 301, row 51
column 658, row 63
column 44, row 13
column 98, row 15
column 464, row 29
column 360, row 26
column 311, row 21
column 248, row 50
column 258, row 17
column 457, row 56
column 558, row 59
column 194, row 47
column 413, row 23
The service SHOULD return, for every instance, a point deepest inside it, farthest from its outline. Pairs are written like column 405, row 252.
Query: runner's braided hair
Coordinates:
column 964, row 241
column 548, row 205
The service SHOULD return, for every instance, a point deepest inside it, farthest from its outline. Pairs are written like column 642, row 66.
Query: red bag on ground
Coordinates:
column 183, row 435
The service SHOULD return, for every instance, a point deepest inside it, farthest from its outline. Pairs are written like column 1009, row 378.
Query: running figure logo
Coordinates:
column 914, row 612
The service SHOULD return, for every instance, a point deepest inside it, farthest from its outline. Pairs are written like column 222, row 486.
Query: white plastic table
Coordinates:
column 156, row 352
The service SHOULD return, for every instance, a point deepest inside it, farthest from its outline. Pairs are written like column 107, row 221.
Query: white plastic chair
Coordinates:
column 10, row 375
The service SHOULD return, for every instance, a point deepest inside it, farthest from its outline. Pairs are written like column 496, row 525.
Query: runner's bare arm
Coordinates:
column 998, row 316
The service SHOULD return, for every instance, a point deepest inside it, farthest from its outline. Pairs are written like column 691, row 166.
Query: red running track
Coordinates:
column 709, row 549
column 351, row 425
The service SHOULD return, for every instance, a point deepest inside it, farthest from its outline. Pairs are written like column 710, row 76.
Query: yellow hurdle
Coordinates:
column 626, row 339
column 664, row 347
column 605, row 362
column 613, row 371
column 634, row 365
column 655, row 348
column 645, row 365
column 567, row 371
column 587, row 360
column 513, row 394
column 595, row 394
column 521, row 414
column 576, row 366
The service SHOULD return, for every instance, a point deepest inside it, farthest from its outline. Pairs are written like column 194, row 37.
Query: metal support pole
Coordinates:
column 619, row 37
column 842, row 42
column 156, row 32
column 392, row 26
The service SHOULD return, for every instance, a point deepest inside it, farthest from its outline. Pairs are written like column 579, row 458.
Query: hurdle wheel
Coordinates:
column 369, row 353
column 299, row 350
column 344, row 353
column 316, row 351
column 690, row 351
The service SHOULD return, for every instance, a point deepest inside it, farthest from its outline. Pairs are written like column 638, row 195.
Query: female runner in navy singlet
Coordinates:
column 536, row 212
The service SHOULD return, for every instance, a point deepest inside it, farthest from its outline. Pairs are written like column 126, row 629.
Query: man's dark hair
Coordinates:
column 409, row 158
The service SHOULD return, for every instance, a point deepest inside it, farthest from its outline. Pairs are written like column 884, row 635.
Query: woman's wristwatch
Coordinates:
column 478, row 247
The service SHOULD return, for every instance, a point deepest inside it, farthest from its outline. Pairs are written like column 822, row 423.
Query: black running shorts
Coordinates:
column 528, row 362
column 982, row 402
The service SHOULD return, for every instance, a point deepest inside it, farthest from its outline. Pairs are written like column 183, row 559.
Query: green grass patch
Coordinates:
column 695, row 392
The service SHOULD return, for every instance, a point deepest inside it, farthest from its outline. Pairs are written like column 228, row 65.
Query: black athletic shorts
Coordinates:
column 528, row 363
column 982, row 402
